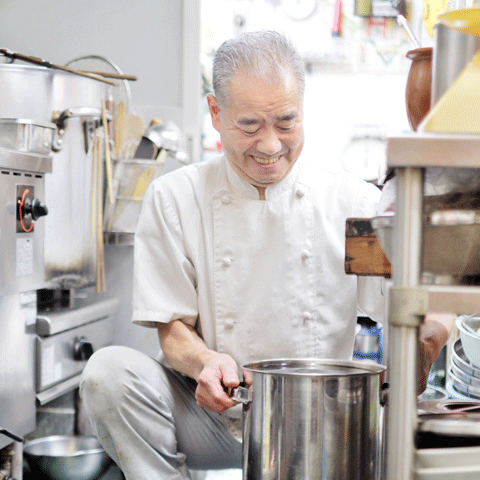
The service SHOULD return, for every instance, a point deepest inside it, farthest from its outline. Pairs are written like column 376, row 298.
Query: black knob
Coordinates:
column 38, row 209
column 82, row 349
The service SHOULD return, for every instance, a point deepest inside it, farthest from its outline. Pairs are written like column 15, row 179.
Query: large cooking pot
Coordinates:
column 312, row 419
column 73, row 103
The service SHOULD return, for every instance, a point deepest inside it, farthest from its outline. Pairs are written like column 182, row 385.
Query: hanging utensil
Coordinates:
column 100, row 247
column 44, row 63
column 119, row 126
column 402, row 21
column 119, row 76
column 108, row 160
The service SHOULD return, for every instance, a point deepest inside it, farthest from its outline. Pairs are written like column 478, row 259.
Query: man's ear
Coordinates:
column 214, row 111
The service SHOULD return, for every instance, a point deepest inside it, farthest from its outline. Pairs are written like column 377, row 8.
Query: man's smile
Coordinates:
column 265, row 161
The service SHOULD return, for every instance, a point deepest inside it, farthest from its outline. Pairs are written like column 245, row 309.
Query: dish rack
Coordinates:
column 131, row 177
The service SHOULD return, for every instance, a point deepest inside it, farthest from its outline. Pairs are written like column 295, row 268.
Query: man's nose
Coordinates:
column 269, row 143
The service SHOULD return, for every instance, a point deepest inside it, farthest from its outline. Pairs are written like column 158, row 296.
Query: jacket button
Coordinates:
column 229, row 323
column 226, row 199
column 300, row 193
column 226, row 262
column 305, row 255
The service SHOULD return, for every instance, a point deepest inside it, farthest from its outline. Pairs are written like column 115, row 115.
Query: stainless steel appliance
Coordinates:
column 74, row 104
column 22, row 177
column 66, row 338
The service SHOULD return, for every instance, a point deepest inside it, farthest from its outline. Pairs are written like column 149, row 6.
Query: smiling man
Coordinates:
column 237, row 259
column 261, row 128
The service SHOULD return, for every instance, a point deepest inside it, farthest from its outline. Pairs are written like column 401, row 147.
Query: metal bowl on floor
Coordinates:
column 73, row 457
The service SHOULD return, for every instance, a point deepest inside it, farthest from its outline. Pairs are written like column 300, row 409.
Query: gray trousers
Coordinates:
column 147, row 419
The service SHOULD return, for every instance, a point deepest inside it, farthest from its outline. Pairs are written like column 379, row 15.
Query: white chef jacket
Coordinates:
column 257, row 279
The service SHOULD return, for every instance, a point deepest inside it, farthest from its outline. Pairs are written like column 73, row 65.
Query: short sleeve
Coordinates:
column 164, row 283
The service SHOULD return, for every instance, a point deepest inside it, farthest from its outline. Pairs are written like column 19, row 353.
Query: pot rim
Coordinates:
column 309, row 367
column 61, row 438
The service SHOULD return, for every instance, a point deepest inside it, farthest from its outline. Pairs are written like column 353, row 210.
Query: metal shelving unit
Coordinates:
column 409, row 299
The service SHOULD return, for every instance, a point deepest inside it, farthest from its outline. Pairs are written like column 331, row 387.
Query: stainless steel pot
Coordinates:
column 452, row 52
column 313, row 419
column 73, row 103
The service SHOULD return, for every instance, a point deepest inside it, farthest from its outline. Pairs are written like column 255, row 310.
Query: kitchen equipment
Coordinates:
column 310, row 418
column 448, row 440
column 468, row 327
column 452, row 52
column 97, row 62
column 73, row 103
column 130, row 180
column 432, row 393
column 449, row 249
column 461, row 361
column 410, row 299
column 66, row 338
column 44, row 63
column 419, row 82
column 403, row 22
column 28, row 136
column 22, row 228
column 158, row 141
column 74, row 457
column 464, row 20
column 456, row 78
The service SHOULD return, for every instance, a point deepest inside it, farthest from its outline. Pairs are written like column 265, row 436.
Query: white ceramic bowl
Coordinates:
column 470, row 340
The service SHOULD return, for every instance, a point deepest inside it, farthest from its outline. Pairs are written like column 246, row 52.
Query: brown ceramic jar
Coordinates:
column 419, row 85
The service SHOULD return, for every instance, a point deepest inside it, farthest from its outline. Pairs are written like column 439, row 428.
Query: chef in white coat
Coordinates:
column 237, row 259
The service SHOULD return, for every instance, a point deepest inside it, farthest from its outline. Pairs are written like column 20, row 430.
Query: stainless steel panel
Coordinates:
column 17, row 375
column 56, row 322
column 433, row 150
column 25, row 135
column 22, row 161
column 23, row 253
column 55, row 354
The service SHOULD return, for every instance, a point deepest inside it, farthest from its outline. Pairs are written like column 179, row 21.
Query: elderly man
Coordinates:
column 236, row 259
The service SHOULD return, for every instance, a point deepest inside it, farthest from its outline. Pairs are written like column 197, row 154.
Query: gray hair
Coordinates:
column 265, row 54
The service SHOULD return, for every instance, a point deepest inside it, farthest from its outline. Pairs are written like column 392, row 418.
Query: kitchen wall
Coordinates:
column 156, row 40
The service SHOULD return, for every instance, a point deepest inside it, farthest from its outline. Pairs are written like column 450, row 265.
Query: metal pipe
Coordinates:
column 17, row 461
column 403, row 338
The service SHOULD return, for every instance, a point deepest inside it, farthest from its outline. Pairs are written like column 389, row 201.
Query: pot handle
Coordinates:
column 93, row 118
column 242, row 395
column 384, row 389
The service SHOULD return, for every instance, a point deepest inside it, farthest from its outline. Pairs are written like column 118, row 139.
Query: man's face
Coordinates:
column 261, row 128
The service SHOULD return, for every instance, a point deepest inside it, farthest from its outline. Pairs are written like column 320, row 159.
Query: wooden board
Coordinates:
column 363, row 253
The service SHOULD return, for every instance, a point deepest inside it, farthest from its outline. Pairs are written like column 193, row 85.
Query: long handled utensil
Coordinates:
column 44, row 63
column 108, row 159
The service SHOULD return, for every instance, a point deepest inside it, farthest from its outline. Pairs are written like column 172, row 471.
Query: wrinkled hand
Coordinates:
column 433, row 336
column 218, row 372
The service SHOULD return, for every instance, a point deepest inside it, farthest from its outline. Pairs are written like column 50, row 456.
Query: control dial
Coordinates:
column 29, row 208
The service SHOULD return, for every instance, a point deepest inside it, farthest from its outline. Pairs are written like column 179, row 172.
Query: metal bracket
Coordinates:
column 92, row 119
column 407, row 306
